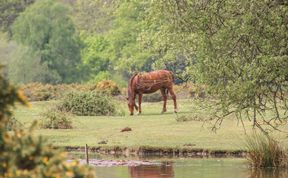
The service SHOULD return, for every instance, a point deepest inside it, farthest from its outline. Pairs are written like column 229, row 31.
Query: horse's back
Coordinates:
column 156, row 75
column 153, row 81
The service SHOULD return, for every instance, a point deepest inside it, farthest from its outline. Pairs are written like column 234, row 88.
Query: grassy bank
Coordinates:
column 151, row 129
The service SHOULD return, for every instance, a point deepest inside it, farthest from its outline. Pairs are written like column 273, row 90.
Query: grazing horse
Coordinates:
column 145, row 83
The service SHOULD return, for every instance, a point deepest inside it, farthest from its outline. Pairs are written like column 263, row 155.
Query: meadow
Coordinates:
column 150, row 129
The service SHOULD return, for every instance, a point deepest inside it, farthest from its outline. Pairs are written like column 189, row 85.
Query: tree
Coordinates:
column 94, row 16
column 25, row 67
column 127, row 52
column 171, row 50
column 95, row 58
column 46, row 28
column 241, row 51
column 111, row 37
column 9, row 11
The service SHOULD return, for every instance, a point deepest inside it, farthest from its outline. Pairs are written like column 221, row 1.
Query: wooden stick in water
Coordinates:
column 86, row 153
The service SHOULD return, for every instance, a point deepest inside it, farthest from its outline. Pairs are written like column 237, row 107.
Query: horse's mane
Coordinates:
column 132, row 78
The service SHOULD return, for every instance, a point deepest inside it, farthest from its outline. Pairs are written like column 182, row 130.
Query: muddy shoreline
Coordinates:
column 161, row 152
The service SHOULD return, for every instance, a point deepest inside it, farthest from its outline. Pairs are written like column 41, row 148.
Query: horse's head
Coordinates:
column 131, row 104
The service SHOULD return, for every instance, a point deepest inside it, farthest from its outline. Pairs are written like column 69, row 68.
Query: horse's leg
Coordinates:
column 135, row 105
column 139, row 102
column 174, row 98
column 164, row 96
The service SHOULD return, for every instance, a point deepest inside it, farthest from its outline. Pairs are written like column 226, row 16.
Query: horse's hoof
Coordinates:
column 138, row 113
column 175, row 110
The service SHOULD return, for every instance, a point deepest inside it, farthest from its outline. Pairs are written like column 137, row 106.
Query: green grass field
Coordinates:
column 149, row 129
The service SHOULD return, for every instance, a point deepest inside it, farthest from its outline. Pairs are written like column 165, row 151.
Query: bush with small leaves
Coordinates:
column 92, row 103
column 55, row 119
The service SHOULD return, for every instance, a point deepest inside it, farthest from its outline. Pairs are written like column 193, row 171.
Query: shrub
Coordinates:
column 55, row 119
column 21, row 154
column 263, row 151
column 109, row 86
column 39, row 91
column 92, row 103
column 44, row 92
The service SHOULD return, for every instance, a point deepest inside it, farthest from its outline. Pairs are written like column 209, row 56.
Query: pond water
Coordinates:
column 187, row 168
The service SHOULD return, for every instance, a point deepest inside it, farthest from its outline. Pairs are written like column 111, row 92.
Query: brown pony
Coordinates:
column 145, row 83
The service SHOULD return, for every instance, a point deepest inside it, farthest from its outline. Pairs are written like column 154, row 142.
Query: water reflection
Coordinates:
column 269, row 173
column 185, row 168
column 151, row 171
column 167, row 171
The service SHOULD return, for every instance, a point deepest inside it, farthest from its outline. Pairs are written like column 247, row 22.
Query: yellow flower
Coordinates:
column 23, row 98
column 63, row 154
column 19, row 134
column 8, row 174
column 73, row 163
column 69, row 173
column 45, row 160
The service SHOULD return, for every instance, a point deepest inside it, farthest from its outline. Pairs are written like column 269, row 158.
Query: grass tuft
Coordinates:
column 263, row 151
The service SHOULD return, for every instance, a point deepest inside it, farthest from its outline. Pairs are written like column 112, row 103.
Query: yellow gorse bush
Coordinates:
column 109, row 86
column 25, row 156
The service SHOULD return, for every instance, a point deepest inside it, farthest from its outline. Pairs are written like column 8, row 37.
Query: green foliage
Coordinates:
column 197, row 91
column 55, row 119
column 171, row 49
column 8, row 96
column 26, row 67
column 108, row 86
column 103, row 75
column 21, row 154
column 114, row 43
column 46, row 28
column 95, row 56
column 9, row 11
column 238, row 48
column 94, row 16
column 88, row 104
column 22, row 65
column 126, row 50
column 263, row 151
column 25, row 156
